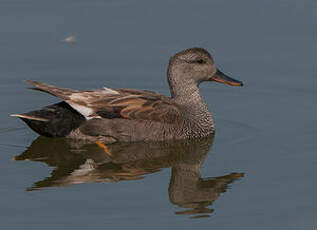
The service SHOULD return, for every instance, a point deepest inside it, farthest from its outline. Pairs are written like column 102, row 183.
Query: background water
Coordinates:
column 266, row 129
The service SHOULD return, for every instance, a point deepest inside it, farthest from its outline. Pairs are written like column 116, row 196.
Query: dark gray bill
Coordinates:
column 222, row 78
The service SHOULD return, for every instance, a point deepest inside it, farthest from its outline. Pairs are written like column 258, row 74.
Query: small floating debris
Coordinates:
column 70, row 40
column 9, row 129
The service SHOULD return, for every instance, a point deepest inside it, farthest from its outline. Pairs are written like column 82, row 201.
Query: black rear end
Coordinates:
column 61, row 120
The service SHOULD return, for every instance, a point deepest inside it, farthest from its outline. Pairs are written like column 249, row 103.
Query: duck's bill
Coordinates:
column 222, row 78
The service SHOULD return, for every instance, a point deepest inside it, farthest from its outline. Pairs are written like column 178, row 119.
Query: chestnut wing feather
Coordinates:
column 137, row 105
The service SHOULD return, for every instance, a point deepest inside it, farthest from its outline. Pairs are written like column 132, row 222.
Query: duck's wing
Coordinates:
column 116, row 103
column 138, row 105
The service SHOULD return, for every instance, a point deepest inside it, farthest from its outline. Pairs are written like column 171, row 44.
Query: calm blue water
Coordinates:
column 265, row 131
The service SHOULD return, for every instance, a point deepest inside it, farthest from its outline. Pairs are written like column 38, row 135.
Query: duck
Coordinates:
column 111, row 115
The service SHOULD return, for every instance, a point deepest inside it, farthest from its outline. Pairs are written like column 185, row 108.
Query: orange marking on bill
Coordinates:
column 104, row 147
column 228, row 82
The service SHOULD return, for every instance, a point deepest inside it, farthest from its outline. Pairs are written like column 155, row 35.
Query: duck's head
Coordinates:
column 196, row 65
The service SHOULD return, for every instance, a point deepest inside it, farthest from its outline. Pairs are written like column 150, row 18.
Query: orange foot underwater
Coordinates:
column 104, row 147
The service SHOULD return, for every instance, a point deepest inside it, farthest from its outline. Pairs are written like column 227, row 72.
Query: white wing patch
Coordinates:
column 80, row 101
column 83, row 110
column 111, row 91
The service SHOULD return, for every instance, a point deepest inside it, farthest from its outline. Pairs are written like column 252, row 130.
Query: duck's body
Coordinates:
column 111, row 115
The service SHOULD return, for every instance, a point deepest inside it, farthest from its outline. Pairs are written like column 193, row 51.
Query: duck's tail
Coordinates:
column 62, row 93
column 56, row 120
column 28, row 117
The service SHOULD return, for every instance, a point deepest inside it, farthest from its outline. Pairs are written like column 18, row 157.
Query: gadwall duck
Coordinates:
column 125, row 115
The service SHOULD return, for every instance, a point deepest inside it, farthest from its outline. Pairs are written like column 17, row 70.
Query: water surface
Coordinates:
column 265, row 131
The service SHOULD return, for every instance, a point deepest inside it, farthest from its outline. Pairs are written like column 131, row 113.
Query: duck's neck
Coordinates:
column 198, row 121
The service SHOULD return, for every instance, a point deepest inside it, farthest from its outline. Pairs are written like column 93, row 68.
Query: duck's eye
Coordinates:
column 199, row 61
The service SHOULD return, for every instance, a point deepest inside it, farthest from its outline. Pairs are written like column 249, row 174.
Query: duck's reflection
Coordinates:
column 77, row 162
